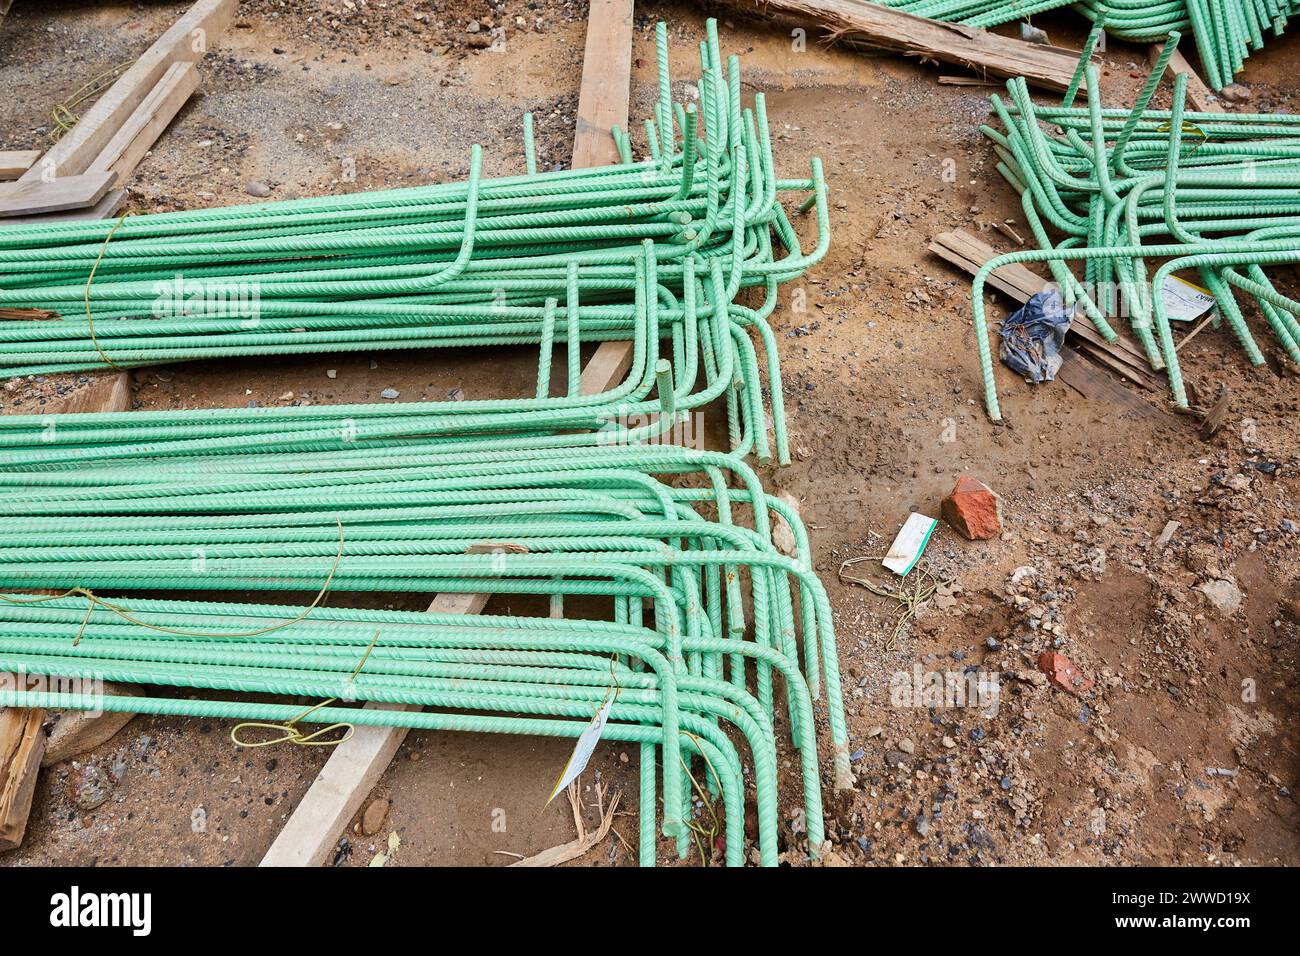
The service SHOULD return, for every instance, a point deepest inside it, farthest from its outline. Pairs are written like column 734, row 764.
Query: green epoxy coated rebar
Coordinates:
column 1220, row 187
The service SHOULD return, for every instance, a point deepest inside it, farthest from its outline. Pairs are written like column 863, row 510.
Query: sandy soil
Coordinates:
column 884, row 400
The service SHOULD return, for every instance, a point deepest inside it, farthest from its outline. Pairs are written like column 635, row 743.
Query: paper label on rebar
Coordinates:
column 911, row 541
column 1185, row 301
column 583, row 749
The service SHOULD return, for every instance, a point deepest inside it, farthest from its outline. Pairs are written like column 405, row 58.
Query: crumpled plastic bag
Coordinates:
column 1031, row 338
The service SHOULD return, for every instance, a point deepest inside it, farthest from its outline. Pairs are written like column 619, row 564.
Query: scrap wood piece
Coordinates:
column 141, row 130
column 22, row 743
column 1198, row 94
column 22, row 734
column 585, row 841
column 1123, row 356
column 988, row 54
column 186, row 40
column 36, row 196
column 15, row 162
column 1217, row 415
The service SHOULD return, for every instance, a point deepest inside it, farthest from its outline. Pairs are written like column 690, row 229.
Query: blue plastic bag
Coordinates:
column 1033, row 336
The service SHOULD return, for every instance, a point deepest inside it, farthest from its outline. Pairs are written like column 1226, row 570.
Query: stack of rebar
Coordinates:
column 1213, row 194
column 654, row 537
column 656, row 252
column 668, row 608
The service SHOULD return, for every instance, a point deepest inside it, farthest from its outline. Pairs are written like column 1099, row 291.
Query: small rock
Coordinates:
column 907, row 745
column 389, row 393
column 1097, row 821
column 1236, row 93
column 90, row 788
column 895, row 758
column 1223, row 595
column 973, row 510
column 257, row 188
column 949, row 743
column 373, row 819
column 1033, row 34
column 782, row 534
column 331, row 373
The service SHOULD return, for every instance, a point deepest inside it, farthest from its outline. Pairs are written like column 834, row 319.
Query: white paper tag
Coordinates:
column 583, row 749
column 1185, row 301
column 911, row 541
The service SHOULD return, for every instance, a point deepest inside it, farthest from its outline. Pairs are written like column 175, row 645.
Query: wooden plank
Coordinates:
column 1199, row 96
column 606, row 83
column 107, row 207
column 1094, row 384
column 15, row 162
column 22, row 737
column 602, row 105
column 988, row 54
column 35, row 196
column 187, row 40
column 138, row 134
column 969, row 253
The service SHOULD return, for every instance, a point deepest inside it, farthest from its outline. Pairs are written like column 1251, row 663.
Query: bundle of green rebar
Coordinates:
column 1214, row 194
column 1226, row 31
column 669, row 610
column 546, row 260
column 653, row 535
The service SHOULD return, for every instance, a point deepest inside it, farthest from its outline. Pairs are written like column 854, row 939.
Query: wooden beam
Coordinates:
column 15, row 162
column 355, row 766
column 187, row 40
column 606, row 83
column 988, row 54
column 602, row 105
column 22, row 734
column 142, row 129
column 35, row 196
column 1199, row 96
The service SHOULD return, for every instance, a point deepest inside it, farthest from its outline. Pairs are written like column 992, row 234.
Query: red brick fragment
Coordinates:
column 973, row 510
column 1062, row 673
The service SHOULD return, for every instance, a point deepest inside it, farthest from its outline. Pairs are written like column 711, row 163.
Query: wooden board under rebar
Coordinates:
column 355, row 766
column 22, row 734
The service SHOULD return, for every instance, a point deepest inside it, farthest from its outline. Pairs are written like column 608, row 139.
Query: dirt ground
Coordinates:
column 1184, row 751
